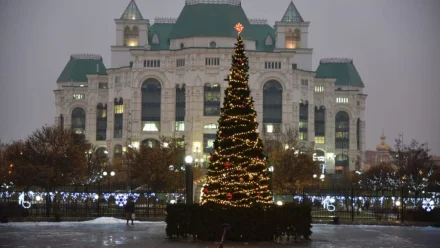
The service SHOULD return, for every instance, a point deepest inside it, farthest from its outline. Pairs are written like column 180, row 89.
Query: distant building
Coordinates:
column 167, row 78
column 381, row 155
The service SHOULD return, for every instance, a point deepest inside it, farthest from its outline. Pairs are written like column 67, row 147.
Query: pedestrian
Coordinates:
column 129, row 210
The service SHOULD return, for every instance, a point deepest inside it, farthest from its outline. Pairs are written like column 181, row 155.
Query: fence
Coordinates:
column 365, row 205
column 85, row 201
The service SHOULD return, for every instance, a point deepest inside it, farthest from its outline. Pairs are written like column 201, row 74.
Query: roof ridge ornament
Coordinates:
column 230, row 2
column 86, row 56
column 258, row 21
column 336, row 61
column 292, row 14
column 169, row 20
column 239, row 28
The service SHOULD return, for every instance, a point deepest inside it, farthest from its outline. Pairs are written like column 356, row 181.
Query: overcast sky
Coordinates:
column 394, row 44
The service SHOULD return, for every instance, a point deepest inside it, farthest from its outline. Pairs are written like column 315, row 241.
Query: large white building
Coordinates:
column 167, row 78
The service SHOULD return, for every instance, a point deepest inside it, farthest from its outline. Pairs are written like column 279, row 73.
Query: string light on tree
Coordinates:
column 237, row 173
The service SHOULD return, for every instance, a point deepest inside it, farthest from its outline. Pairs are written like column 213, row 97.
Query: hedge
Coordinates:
column 205, row 222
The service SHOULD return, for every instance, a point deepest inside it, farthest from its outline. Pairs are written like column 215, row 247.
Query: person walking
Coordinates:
column 129, row 210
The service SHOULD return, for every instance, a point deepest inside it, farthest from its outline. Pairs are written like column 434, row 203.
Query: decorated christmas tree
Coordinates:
column 238, row 175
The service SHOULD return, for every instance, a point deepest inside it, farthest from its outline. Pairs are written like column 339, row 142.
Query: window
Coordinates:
column 272, row 65
column 212, row 45
column 211, row 100
column 292, row 39
column 150, row 143
column 180, row 62
column 208, row 142
column 152, row 63
column 342, row 130
column 268, row 41
column 319, row 139
column 118, row 79
column 79, row 96
column 319, row 88
column 117, row 151
column 151, row 101
column 358, row 133
column 182, row 45
column 180, row 126
column 155, row 39
column 303, row 120
column 211, row 126
column 131, row 36
column 79, row 121
column 341, row 99
column 180, row 108
column 320, row 122
column 103, row 85
column 304, row 82
column 272, row 127
column 101, row 122
column 358, row 103
column 272, row 105
column 118, row 118
column 212, row 61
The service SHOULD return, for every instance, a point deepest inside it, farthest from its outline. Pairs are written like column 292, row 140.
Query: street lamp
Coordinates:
column 189, row 179
column 188, row 159
column 271, row 169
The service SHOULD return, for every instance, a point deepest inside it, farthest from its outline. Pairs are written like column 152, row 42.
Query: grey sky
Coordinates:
column 394, row 44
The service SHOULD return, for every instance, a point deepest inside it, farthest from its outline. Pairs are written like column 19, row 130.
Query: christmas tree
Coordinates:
column 237, row 174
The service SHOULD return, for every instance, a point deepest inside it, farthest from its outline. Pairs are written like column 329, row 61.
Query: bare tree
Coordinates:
column 380, row 177
column 96, row 159
column 150, row 165
column 292, row 160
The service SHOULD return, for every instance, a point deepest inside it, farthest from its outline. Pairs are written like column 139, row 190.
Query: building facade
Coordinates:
column 167, row 78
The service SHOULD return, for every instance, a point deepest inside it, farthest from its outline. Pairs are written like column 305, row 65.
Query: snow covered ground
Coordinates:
column 103, row 232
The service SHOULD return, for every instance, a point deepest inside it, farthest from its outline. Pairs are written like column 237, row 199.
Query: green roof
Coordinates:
column 292, row 14
column 163, row 31
column 210, row 20
column 260, row 32
column 342, row 69
column 80, row 65
column 132, row 12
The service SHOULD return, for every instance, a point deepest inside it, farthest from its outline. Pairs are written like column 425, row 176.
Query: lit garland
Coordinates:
column 237, row 174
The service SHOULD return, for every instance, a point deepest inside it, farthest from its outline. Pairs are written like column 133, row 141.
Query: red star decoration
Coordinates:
column 239, row 28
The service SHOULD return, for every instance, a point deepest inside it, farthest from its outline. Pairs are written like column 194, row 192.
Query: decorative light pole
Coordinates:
column 189, row 179
column 271, row 169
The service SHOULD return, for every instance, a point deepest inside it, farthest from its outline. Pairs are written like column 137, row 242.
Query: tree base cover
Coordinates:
column 206, row 222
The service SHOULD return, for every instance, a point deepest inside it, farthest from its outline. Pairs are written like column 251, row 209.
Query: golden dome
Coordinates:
column 383, row 147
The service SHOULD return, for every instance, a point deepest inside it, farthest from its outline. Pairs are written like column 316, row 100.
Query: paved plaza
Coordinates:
column 109, row 232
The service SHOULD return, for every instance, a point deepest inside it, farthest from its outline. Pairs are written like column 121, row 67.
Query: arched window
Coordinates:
column 293, row 38
column 320, row 125
column 117, row 151
column 272, row 106
column 151, row 100
column 268, row 41
column 131, row 36
column 155, row 39
column 180, row 108
column 119, row 118
column 303, row 120
column 150, row 143
column 211, row 100
column 79, row 121
column 342, row 129
column 212, row 45
column 101, row 122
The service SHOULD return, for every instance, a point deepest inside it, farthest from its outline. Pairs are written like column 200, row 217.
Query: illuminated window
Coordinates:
column 103, row 85
column 211, row 100
column 303, row 136
column 208, row 142
column 320, row 121
column 131, row 36
column 210, row 126
column 292, row 39
column 79, row 121
column 319, row 88
column 180, row 126
column 212, row 61
column 303, row 120
column 150, row 143
column 79, row 96
column 180, row 62
column 342, row 130
column 272, row 65
column 341, row 99
column 151, row 109
column 319, row 139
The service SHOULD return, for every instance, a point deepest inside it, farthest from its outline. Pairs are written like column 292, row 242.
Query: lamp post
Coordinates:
column 182, row 169
column 189, row 179
column 271, row 169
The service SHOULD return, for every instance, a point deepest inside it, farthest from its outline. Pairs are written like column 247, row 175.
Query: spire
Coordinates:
column 132, row 12
column 292, row 14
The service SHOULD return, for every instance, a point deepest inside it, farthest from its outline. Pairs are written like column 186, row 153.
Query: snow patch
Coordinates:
column 100, row 220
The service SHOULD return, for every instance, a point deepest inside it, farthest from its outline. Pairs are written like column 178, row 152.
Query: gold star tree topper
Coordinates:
column 239, row 28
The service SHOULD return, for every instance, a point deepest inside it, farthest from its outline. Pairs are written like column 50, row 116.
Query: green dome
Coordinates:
column 342, row 69
column 80, row 65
